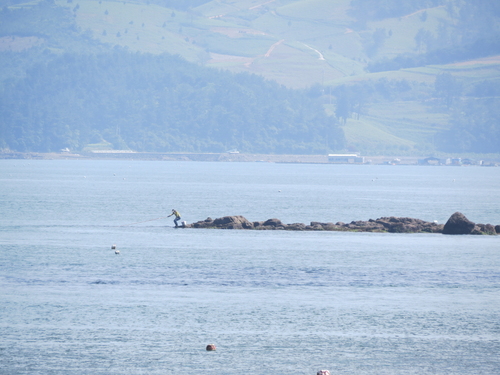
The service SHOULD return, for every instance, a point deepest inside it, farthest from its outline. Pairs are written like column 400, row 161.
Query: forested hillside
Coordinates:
column 114, row 98
column 145, row 102
column 414, row 77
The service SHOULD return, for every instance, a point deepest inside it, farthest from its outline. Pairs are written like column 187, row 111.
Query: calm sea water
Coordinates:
column 272, row 302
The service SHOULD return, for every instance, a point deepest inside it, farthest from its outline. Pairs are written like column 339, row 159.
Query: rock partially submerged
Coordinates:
column 457, row 224
column 226, row 222
column 384, row 224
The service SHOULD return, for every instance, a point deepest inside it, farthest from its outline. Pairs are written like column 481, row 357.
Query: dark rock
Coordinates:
column 489, row 229
column 476, row 230
column 226, row 222
column 458, row 224
column 330, row 227
column 484, row 229
column 295, row 226
column 433, row 228
column 373, row 226
column 408, row 225
column 315, row 225
column 497, row 229
column 221, row 221
column 273, row 223
column 384, row 221
column 402, row 228
column 207, row 223
column 233, row 222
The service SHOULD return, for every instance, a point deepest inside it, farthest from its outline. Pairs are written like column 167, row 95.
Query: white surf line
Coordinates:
column 321, row 57
column 271, row 49
column 256, row 6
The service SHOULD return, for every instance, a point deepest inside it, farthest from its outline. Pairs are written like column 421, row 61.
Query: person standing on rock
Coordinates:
column 177, row 216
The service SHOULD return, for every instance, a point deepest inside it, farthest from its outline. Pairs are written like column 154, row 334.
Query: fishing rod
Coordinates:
column 145, row 221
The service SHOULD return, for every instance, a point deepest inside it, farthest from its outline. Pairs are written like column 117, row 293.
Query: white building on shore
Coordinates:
column 346, row 158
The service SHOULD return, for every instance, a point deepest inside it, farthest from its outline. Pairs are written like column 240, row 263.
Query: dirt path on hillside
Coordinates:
column 271, row 49
column 422, row 10
column 248, row 60
column 321, row 57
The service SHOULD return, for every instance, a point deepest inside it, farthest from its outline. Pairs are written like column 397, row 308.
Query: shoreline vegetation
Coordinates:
column 456, row 224
column 483, row 160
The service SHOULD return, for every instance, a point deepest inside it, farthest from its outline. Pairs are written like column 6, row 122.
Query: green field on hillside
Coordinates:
column 401, row 127
column 325, row 11
column 403, row 30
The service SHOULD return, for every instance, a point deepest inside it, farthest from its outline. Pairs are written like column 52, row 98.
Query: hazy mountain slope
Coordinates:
column 306, row 43
column 296, row 43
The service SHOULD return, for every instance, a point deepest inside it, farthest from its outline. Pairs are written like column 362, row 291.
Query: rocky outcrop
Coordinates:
column 398, row 225
column 457, row 224
column 226, row 222
column 384, row 224
column 485, row 229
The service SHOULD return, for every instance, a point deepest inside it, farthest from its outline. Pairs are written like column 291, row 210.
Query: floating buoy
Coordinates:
column 211, row 348
column 113, row 247
column 117, row 252
column 323, row 372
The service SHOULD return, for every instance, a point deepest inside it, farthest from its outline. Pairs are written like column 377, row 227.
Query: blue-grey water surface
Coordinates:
column 273, row 302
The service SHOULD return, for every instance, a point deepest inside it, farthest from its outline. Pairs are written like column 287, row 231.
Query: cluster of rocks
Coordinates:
column 457, row 224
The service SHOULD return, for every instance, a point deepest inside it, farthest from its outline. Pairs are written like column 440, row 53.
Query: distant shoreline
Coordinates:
column 221, row 157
